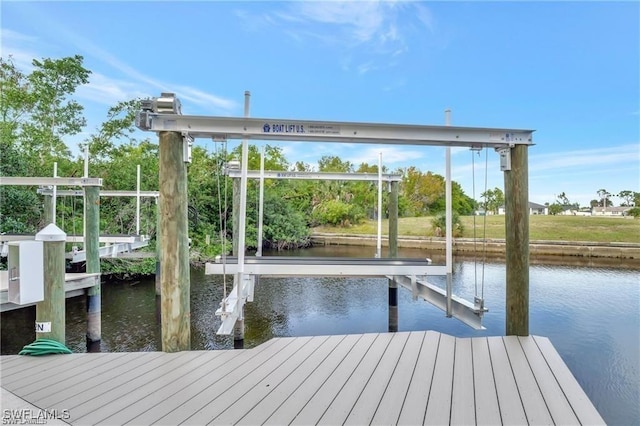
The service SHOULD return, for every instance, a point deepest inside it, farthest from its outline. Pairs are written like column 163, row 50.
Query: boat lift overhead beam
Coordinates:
column 50, row 181
column 109, row 193
column 223, row 128
column 279, row 174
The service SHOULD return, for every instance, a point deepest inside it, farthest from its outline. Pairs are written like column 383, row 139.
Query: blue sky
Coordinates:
column 570, row 70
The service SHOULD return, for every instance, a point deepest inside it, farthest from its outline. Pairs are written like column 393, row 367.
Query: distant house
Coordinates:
column 610, row 211
column 569, row 210
column 534, row 208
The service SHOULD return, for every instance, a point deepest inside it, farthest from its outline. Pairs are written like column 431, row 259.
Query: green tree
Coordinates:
column 493, row 199
column 424, row 191
column 555, row 209
column 627, row 197
column 603, row 196
column 36, row 111
column 439, row 225
column 55, row 114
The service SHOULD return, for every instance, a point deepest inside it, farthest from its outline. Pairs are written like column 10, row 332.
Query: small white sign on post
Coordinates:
column 43, row 327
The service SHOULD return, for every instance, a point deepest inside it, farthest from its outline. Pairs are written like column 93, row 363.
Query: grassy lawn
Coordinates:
column 562, row 228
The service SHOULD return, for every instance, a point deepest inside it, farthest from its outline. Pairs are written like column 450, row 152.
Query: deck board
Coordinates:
column 367, row 404
column 390, row 405
column 167, row 386
column 207, row 392
column 463, row 404
column 579, row 401
column 350, row 393
column 511, row 409
column 414, row 408
column 313, row 409
column 259, row 411
column 439, row 403
column 397, row 378
column 134, row 390
column 559, row 407
column 294, row 403
column 487, row 408
column 534, row 405
column 236, row 410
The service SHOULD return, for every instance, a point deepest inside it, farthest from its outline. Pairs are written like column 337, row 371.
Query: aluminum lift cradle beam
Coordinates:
column 279, row 174
column 109, row 193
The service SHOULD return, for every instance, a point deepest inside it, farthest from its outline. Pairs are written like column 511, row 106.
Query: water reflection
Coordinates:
column 591, row 314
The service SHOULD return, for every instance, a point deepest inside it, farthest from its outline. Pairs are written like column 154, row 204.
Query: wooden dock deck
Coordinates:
column 397, row 378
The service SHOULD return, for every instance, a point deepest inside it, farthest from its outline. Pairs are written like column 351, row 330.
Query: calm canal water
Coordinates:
column 590, row 313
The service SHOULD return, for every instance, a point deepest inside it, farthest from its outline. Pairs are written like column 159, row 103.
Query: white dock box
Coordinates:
column 26, row 272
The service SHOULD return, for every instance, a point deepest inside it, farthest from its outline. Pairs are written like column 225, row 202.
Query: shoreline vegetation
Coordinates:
column 575, row 236
column 554, row 238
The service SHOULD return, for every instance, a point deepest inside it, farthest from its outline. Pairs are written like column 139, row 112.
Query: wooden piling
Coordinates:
column 393, row 253
column 174, row 269
column 91, row 246
column 50, row 313
column 516, row 194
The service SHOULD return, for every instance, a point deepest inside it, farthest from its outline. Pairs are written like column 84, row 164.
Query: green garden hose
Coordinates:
column 44, row 347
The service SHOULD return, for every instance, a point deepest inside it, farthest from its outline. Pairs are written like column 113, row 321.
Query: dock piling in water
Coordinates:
column 50, row 313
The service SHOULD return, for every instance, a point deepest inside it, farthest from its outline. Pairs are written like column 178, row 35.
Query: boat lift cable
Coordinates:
column 475, row 252
column 484, row 226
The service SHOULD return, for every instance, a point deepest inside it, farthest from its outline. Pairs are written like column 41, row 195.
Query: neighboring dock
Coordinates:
column 74, row 285
column 395, row 378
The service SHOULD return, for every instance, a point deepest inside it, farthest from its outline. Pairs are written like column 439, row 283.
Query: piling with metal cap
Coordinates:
column 50, row 313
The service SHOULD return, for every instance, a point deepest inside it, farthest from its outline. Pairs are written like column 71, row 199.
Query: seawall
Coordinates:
column 583, row 249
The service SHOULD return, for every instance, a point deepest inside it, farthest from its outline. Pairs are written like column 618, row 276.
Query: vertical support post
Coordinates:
column 379, row 240
column 48, row 210
column 54, row 199
column 238, row 331
column 175, row 280
column 138, row 199
column 393, row 253
column 261, row 203
column 50, row 313
column 516, row 195
column 86, row 160
column 448, row 221
column 235, row 214
column 91, row 243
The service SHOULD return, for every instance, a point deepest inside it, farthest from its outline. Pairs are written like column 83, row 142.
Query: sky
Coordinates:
column 569, row 70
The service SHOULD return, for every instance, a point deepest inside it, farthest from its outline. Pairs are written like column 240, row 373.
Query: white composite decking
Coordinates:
column 400, row 378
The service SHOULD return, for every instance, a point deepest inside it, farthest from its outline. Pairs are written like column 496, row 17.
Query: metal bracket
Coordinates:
column 186, row 147
column 505, row 158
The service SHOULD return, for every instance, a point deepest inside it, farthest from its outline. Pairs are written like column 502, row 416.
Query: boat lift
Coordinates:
column 164, row 114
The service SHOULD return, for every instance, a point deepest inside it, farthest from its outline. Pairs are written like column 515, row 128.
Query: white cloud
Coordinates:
column 392, row 156
column 367, row 28
column 24, row 48
column 586, row 158
column 108, row 91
